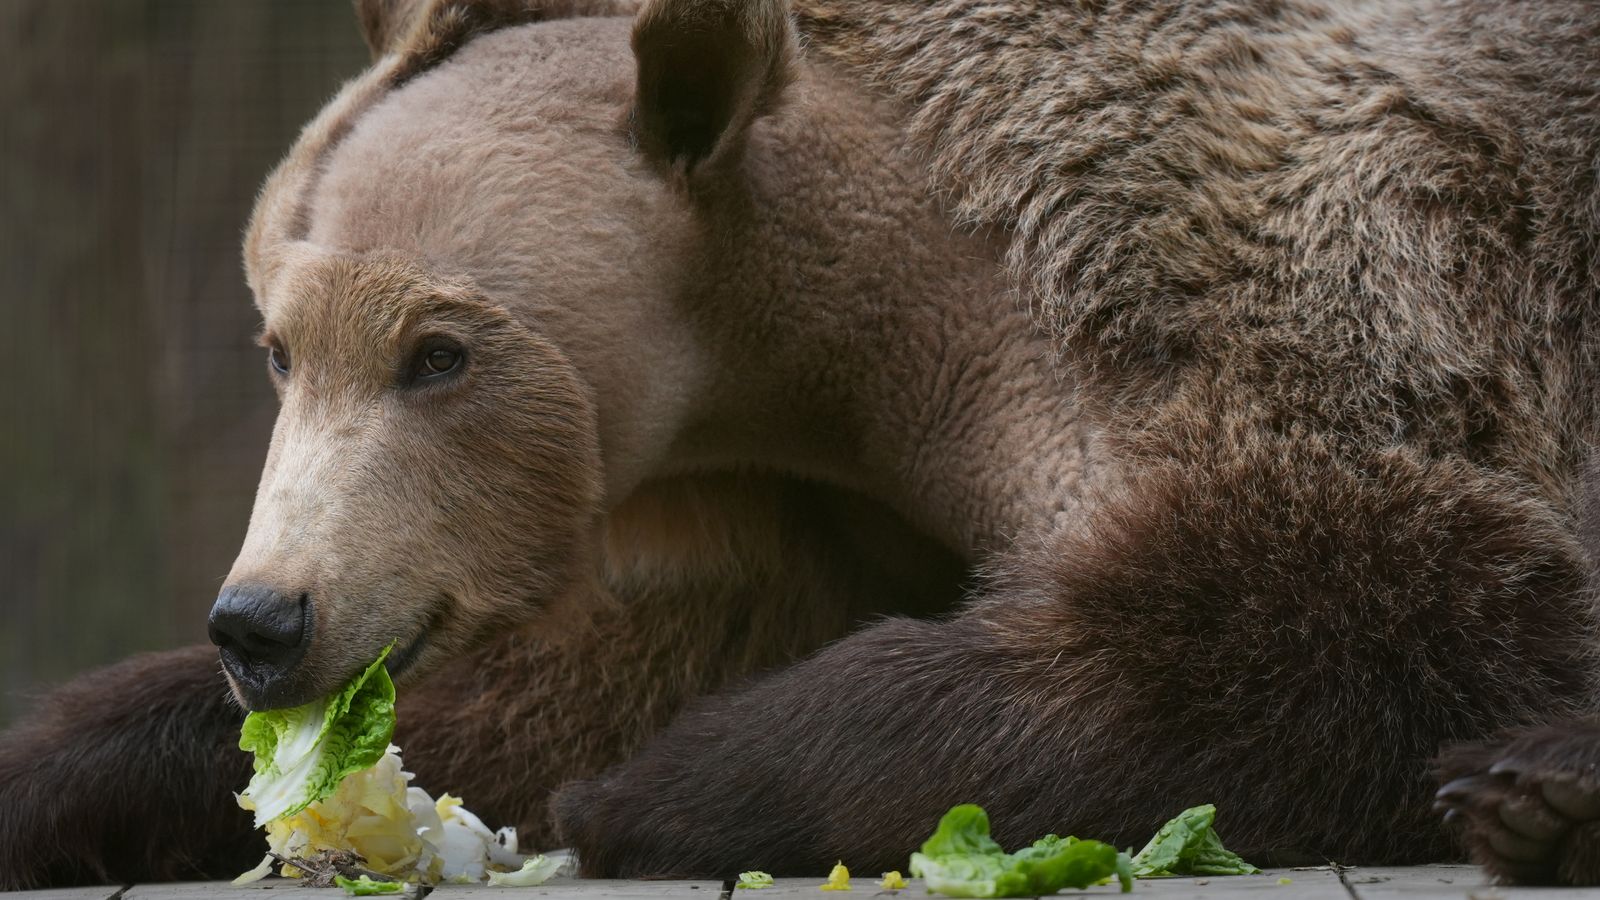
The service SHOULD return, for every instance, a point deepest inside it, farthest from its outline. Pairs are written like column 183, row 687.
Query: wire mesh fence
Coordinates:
column 135, row 409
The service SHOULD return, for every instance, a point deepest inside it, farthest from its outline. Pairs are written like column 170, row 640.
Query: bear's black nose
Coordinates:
column 262, row 634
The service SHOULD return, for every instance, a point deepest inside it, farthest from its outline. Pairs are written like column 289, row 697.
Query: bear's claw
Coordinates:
column 1528, row 805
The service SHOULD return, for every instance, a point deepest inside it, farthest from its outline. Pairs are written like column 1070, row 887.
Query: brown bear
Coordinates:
column 1114, row 405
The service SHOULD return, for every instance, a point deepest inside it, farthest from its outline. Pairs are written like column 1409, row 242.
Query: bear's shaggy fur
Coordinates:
column 1255, row 387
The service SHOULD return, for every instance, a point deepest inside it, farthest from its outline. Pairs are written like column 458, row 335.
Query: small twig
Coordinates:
column 322, row 867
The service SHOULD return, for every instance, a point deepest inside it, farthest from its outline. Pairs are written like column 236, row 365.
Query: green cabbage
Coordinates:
column 301, row 754
column 961, row 860
column 1187, row 845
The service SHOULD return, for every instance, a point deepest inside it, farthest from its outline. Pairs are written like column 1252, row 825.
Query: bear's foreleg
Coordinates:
column 1282, row 631
column 126, row 774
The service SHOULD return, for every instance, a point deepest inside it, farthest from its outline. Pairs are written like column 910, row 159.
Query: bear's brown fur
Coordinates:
column 1256, row 384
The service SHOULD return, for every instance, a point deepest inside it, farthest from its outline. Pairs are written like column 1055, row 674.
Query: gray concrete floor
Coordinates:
column 1411, row 883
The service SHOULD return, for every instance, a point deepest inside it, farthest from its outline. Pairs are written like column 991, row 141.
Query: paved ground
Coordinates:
column 1416, row 883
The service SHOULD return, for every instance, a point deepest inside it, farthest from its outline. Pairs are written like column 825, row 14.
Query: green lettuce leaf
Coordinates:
column 961, row 860
column 754, row 880
column 964, row 830
column 1188, row 845
column 366, row 887
column 301, row 754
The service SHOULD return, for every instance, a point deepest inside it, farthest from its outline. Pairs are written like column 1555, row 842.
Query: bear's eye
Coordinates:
column 279, row 359
column 439, row 360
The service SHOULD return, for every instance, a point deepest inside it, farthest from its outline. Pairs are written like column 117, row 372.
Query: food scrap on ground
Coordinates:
column 535, row 871
column 1188, row 845
column 838, row 879
column 262, row 870
column 893, row 881
column 366, row 887
column 754, row 880
column 961, row 860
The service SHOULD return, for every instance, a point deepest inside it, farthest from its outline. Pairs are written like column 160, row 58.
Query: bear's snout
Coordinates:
column 262, row 634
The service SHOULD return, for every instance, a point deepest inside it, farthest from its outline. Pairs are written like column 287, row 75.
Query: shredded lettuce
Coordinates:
column 301, row 754
column 1188, row 845
column 961, row 860
column 754, row 880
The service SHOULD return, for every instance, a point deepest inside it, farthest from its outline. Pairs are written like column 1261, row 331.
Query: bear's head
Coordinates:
column 440, row 263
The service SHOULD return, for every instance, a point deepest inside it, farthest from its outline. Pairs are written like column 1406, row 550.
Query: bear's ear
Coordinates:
column 384, row 23
column 707, row 69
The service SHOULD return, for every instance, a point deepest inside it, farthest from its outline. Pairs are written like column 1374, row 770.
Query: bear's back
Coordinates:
column 1376, row 220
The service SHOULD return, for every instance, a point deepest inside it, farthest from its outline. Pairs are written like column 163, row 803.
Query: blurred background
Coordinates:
column 135, row 408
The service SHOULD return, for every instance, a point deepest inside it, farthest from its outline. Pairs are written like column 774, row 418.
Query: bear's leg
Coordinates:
column 1528, row 803
column 126, row 773
column 1290, row 636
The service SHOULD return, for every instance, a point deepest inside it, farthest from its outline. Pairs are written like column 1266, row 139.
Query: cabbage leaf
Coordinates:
column 1188, row 845
column 302, row 753
column 961, row 860
column 535, row 871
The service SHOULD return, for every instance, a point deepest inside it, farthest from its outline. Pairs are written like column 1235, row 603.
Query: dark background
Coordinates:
column 136, row 408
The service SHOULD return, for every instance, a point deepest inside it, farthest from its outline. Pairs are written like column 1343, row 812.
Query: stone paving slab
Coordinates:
column 1446, row 883
column 83, row 893
column 1321, row 883
column 1318, row 885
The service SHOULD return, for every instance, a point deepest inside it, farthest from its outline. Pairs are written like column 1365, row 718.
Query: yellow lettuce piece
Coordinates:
column 399, row 830
column 262, row 870
column 838, row 879
column 367, row 814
